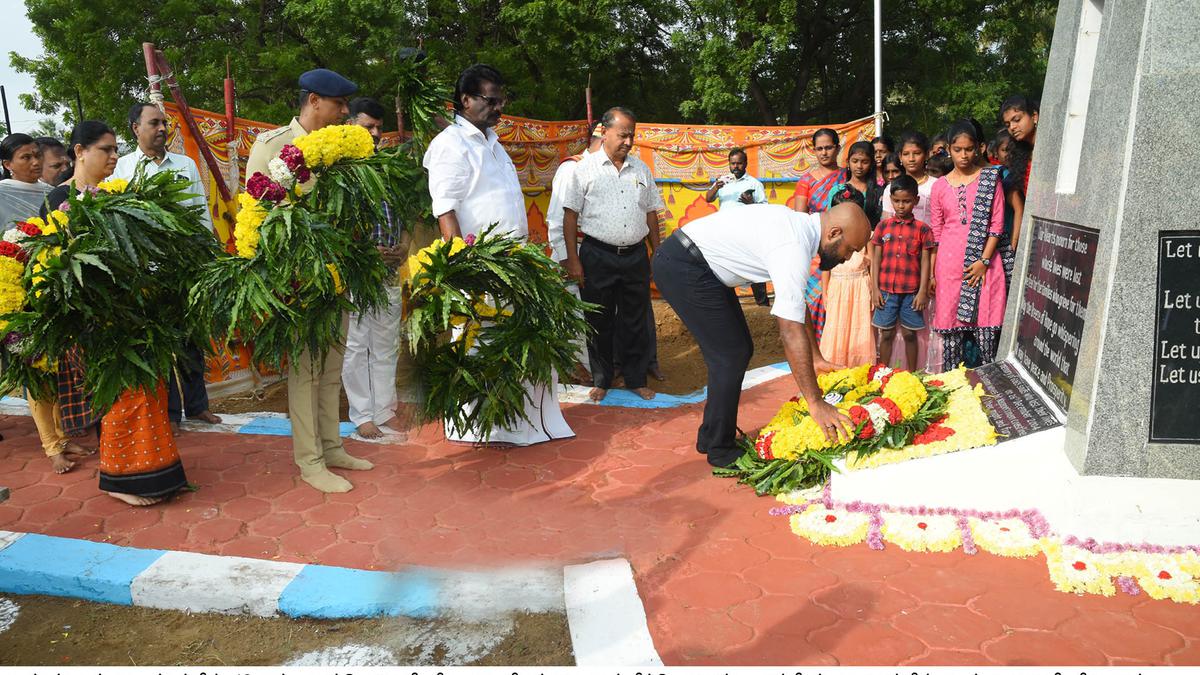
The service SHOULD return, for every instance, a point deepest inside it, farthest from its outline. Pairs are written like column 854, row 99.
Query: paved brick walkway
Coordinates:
column 723, row 581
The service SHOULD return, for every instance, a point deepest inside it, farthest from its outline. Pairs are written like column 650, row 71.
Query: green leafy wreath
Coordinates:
column 112, row 279
column 486, row 318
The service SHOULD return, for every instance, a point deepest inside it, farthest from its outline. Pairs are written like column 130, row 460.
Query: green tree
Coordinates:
column 714, row 61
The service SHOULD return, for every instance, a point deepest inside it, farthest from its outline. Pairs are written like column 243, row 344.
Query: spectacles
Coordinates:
column 494, row 101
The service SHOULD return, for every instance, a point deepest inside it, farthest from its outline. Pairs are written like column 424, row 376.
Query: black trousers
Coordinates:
column 712, row 313
column 191, row 381
column 651, row 342
column 760, row 293
column 620, row 284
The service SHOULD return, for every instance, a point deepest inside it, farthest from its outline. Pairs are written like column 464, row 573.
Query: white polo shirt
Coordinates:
column 770, row 242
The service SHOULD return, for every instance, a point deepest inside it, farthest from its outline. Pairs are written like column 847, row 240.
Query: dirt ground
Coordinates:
column 678, row 356
column 63, row 632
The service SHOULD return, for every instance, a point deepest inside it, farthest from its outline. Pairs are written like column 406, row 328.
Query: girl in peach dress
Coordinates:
column 848, row 338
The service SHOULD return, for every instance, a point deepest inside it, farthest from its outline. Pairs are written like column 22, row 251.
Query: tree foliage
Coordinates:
column 714, row 61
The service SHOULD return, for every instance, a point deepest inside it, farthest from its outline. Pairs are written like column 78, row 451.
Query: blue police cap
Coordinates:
column 324, row 82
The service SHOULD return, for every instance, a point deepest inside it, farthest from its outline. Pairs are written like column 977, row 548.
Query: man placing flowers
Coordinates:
column 700, row 264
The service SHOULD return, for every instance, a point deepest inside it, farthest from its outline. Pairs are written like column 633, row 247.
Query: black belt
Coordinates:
column 689, row 245
column 619, row 250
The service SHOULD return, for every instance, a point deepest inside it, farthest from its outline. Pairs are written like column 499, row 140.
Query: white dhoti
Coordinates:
column 369, row 371
column 580, row 341
column 546, row 421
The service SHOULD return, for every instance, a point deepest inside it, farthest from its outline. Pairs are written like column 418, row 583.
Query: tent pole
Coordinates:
column 878, row 67
column 185, row 110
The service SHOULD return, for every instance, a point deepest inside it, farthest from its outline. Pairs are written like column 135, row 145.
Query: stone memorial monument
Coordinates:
column 1096, row 393
column 1105, row 310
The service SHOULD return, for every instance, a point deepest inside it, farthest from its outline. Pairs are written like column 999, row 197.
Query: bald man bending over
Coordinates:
column 696, row 270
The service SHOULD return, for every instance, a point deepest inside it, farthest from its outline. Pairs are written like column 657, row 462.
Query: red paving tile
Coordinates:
column 1036, row 648
column 948, row 626
column 722, row 580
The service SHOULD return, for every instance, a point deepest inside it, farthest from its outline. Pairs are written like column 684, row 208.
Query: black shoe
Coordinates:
column 724, row 461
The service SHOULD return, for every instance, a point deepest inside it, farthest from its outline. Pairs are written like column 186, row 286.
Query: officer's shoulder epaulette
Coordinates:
column 268, row 135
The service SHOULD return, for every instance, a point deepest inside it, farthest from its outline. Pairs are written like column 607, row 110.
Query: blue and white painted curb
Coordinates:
column 277, row 424
column 605, row 613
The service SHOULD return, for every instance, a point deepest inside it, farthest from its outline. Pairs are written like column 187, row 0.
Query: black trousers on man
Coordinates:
column 190, row 366
column 618, row 280
column 760, row 294
column 712, row 313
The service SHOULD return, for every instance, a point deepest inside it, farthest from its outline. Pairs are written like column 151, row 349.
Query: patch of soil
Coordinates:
column 66, row 632
column 678, row 356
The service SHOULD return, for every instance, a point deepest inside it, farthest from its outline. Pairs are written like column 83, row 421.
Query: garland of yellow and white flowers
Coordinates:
column 965, row 426
column 1074, row 565
column 470, row 328
column 793, row 432
column 289, row 176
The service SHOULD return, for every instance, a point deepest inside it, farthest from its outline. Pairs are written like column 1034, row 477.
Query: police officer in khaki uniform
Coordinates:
column 314, row 388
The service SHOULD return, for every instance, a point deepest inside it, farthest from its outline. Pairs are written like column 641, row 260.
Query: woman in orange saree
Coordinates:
column 139, row 461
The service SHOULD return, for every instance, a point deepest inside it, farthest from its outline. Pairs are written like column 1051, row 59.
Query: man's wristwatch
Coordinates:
column 986, row 262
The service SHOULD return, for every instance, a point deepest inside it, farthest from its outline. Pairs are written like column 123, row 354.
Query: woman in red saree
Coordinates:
column 812, row 196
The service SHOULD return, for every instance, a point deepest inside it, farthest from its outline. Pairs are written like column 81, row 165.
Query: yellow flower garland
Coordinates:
column 250, row 217
column 417, row 262
column 332, row 144
column 922, row 533
column 830, row 527
column 113, row 185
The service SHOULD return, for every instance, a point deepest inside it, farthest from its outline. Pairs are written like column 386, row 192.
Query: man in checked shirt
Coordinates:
column 373, row 340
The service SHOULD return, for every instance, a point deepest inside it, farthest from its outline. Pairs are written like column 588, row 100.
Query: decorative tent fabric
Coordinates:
column 685, row 159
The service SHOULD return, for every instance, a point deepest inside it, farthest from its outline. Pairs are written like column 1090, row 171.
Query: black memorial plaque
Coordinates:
column 1012, row 406
column 1050, row 323
column 1175, row 394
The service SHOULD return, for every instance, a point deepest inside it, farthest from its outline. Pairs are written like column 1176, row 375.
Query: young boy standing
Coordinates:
column 900, row 270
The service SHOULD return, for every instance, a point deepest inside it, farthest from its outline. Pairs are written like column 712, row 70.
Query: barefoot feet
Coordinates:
column 369, row 430
column 597, row 394
column 134, row 500
column 207, row 417
column 61, row 463
column 645, row 392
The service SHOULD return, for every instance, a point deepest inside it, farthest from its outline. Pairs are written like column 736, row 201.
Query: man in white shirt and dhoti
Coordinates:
column 474, row 184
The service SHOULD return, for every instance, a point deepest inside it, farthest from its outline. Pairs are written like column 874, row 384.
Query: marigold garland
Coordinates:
column 921, row 533
column 245, row 230
column 1074, row 566
column 333, row 144
column 113, row 185
column 830, row 527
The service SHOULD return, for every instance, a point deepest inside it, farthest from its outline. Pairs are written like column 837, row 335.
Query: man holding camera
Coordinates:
column 736, row 189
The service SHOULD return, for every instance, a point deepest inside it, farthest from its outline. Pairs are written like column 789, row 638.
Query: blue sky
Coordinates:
column 16, row 35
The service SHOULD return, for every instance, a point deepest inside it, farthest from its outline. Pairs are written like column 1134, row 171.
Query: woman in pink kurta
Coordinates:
column 969, row 294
